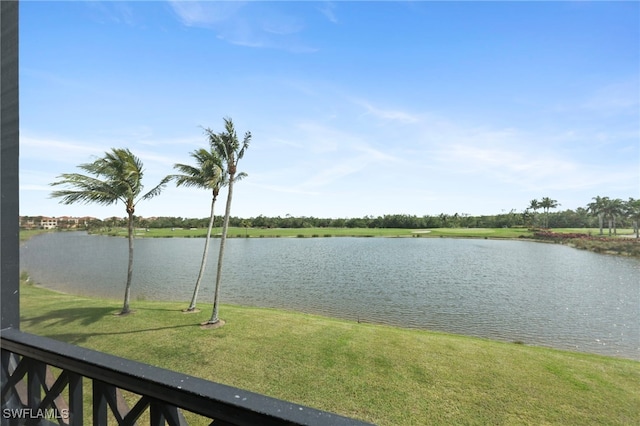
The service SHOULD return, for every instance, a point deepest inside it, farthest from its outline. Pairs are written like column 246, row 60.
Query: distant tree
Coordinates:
column 534, row 205
column 597, row 207
column 206, row 174
column 246, row 224
column 115, row 177
column 547, row 204
column 632, row 210
column 612, row 210
column 230, row 150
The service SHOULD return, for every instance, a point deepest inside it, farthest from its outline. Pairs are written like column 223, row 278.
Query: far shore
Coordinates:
column 623, row 243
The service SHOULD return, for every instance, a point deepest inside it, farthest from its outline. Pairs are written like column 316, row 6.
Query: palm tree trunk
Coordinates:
column 225, row 226
column 192, row 305
column 601, row 222
column 127, row 291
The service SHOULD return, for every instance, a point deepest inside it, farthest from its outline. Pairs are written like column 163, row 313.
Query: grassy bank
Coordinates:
column 385, row 375
column 25, row 234
column 236, row 232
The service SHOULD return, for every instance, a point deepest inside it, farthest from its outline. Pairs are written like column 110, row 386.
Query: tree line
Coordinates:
column 582, row 217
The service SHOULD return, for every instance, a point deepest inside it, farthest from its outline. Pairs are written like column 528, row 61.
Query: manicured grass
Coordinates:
column 480, row 232
column 385, row 375
column 25, row 234
column 330, row 232
column 237, row 232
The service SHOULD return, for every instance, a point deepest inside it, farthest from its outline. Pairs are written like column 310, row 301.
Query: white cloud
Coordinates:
column 55, row 150
column 328, row 10
column 205, row 13
column 112, row 11
column 388, row 114
column 616, row 98
column 246, row 24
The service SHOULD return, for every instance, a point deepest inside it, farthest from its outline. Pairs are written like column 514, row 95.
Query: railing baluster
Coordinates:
column 155, row 411
column 99, row 403
column 35, row 379
column 76, row 405
column 173, row 415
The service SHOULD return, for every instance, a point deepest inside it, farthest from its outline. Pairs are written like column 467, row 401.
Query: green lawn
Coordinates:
column 385, row 375
column 25, row 234
column 268, row 232
column 353, row 232
column 331, row 232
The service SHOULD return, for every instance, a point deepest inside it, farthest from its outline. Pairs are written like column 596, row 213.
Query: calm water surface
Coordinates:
column 541, row 294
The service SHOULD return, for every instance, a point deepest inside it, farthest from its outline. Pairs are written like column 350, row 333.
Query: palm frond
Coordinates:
column 206, row 174
column 155, row 191
column 116, row 176
column 240, row 176
column 84, row 189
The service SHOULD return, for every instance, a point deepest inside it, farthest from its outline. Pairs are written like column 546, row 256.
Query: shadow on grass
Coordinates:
column 84, row 316
column 78, row 338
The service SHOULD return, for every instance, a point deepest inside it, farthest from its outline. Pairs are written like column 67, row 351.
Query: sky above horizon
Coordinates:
column 355, row 108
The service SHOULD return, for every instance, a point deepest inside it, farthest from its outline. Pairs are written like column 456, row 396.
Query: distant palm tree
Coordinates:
column 116, row 177
column 613, row 209
column 632, row 209
column 206, row 174
column 597, row 207
column 230, row 150
column 534, row 205
column 546, row 204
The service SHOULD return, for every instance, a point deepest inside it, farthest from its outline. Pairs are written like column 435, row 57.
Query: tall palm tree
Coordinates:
column 546, row 204
column 206, row 174
column 597, row 207
column 230, row 150
column 115, row 177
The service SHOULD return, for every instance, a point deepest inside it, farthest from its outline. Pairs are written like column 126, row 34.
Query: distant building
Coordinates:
column 48, row 223
column 62, row 222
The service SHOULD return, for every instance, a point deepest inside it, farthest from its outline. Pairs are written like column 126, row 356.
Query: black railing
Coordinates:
column 32, row 395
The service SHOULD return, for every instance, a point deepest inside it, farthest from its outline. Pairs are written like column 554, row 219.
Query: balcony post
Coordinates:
column 9, row 144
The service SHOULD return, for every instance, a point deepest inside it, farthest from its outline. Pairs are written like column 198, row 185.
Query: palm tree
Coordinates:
column 230, row 150
column 546, row 204
column 207, row 174
column 632, row 208
column 597, row 207
column 116, row 177
column 534, row 205
column 612, row 209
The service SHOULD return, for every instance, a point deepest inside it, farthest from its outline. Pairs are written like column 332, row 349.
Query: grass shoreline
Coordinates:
column 382, row 374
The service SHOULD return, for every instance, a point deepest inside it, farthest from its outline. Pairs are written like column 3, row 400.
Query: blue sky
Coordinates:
column 356, row 108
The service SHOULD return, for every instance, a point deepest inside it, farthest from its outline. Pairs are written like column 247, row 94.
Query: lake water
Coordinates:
column 542, row 294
